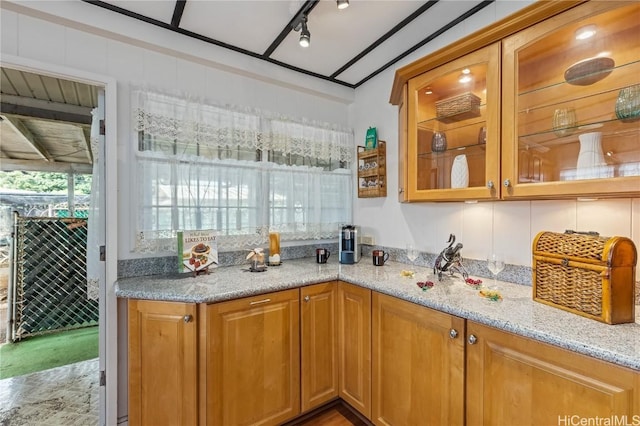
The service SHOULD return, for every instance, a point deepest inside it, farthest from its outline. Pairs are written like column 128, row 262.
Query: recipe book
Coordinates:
column 197, row 250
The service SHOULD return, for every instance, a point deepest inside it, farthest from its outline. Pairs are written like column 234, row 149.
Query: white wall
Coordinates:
column 504, row 226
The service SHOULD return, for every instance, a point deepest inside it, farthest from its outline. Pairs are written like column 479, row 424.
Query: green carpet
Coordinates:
column 48, row 351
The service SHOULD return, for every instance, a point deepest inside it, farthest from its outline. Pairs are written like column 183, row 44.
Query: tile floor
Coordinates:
column 65, row 396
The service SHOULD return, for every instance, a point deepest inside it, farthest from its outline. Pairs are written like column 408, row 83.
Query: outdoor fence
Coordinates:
column 50, row 284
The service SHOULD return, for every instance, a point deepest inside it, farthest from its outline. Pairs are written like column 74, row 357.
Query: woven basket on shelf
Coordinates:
column 586, row 274
column 456, row 108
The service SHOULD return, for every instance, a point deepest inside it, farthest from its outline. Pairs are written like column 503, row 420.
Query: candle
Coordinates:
column 274, row 243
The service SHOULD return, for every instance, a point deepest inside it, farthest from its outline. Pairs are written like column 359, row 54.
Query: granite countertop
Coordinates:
column 516, row 313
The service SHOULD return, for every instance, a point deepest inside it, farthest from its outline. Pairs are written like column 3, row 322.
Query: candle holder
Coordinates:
column 564, row 122
column 439, row 142
column 628, row 104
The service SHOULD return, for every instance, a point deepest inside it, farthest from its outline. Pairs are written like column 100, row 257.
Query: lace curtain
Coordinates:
column 240, row 171
column 190, row 123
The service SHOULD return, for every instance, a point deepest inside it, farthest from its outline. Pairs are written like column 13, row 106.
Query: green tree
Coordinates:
column 44, row 182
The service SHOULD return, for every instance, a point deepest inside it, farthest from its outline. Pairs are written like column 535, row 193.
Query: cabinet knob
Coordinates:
column 307, row 298
column 507, row 183
column 453, row 333
column 490, row 184
column 187, row 318
column 472, row 339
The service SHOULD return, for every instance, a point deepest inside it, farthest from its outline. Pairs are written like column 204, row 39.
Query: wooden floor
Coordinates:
column 336, row 415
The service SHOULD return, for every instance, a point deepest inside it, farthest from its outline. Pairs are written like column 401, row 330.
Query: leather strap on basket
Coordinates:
column 591, row 233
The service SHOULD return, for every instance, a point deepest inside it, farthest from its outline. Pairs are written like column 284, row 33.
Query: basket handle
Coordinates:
column 590, row 233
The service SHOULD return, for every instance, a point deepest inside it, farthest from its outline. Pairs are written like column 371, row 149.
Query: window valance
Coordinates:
column 188, row 122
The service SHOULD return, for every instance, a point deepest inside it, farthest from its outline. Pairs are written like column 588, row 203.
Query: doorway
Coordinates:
column 106, row 372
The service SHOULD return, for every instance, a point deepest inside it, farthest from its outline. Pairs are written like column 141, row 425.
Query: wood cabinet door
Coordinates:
column 163, row 379
column 402, row 147
column 418, row 364
column 253, row 360
column 554, row 112
column 453, row 143
column 319, row 344
column 354, row 331
column 512, row 380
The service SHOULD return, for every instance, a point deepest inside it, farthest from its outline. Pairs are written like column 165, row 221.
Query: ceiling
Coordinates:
column 348, row 46
column 45, row 121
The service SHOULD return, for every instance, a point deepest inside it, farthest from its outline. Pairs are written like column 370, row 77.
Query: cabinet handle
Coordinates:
column 507, row 183
column 490, row 184
column 400, row 190
column 187, row 318
column 307, row 298
column 473, row 339
column 453, row 333
column 258, row 302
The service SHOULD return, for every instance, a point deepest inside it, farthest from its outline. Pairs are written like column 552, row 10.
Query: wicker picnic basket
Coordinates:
column 586, row 274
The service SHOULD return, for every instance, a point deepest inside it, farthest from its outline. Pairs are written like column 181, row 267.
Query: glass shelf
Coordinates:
column 622, row 75
column 475, row 149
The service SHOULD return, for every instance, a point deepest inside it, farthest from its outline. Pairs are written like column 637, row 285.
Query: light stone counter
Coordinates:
column 516, row 313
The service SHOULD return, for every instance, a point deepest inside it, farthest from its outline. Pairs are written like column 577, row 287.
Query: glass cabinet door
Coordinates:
column 453, row 130
column 571, row 104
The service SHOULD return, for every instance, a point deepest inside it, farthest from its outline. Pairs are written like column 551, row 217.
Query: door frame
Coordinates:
column 108, row 344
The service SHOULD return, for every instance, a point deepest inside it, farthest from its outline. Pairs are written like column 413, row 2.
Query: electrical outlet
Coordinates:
column 367, row 239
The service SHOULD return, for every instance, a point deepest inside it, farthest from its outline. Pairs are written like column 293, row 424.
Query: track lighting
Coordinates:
column 342, row 4
column 305, row 35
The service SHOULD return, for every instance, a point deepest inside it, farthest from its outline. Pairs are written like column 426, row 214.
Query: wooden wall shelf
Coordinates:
column 372, row 171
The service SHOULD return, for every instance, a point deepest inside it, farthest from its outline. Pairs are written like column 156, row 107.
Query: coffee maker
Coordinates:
column 349, row 244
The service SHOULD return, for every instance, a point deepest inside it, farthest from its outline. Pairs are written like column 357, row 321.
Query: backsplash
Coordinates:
column 516, row 274
column 168, row 264
column 512, row 273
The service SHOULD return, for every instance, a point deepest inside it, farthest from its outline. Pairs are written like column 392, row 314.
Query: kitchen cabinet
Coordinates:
column 252, row 352
column 571, row 117
column 354, row 334
column 266, row 359
column 418, row 364
column 372, row 171
column 163, row 369
column 319, row 344
column 453, row 145
column 513, row 380
column 543, row 115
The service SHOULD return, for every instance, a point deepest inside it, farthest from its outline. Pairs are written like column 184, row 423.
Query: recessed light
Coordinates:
column 585, row 32
column 465, row 77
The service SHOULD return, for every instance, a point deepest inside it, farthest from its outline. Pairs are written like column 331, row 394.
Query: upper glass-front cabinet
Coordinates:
column 571, row 104
column 453, row 129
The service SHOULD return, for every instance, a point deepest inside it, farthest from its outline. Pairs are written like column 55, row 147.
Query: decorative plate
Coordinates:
column 589, row 71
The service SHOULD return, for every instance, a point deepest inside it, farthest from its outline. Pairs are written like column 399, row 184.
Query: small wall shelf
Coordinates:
column 372, row 171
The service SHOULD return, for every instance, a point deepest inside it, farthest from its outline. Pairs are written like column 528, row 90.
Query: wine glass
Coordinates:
column 495, row 264
column 412, row 253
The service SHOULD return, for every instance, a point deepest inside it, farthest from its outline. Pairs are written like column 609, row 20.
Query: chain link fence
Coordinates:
column 50, row 283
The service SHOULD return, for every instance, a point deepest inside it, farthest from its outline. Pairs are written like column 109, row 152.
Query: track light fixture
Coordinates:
column 342, row 4
column 305, row 35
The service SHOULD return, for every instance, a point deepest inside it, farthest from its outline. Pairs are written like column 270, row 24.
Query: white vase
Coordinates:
column 460, row 172
column 591, row 163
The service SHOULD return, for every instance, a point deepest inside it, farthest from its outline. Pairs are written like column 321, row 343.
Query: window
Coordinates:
column 242, row 173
